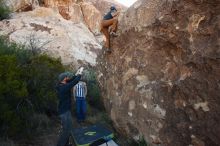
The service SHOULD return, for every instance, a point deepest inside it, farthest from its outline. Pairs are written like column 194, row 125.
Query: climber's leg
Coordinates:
column 107, row 23
column 107, row 36
column 115, row 25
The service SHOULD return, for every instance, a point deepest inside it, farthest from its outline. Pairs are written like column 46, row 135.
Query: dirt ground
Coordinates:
column 50, row 137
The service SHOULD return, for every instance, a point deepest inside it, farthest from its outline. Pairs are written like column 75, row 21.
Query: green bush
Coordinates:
column 27, row 88
column 142, row 142
column 93, row 96
column 4, row 10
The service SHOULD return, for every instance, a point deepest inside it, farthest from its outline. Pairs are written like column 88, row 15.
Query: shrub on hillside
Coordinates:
column 27, row 88
column 93, row 96
column 4, row 10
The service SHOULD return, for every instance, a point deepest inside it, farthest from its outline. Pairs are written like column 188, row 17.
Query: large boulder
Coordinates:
column 21, row 5
column 55, row 3
column 78, row 11
column 104, row 5
column 45, row 30
column 71, row 12
column 68, row 9
column 92, row 17
column 162, row 80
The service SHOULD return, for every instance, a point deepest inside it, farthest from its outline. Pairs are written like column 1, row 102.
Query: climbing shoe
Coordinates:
column 108, row 50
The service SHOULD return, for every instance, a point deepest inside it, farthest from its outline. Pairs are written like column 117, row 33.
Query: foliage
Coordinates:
column 94, row 115
column 142, row 142
column 94, row 96
column 4, row 10
column 27, row 89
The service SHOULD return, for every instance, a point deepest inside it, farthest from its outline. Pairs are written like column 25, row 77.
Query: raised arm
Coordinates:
column 74, row 94
column 69, row 85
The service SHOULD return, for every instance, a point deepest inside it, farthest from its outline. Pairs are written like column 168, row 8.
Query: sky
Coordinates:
column 127, row 3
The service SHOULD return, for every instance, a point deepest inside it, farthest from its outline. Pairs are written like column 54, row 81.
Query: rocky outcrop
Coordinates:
column 78, row 11
column 92, row 17
column 161, row 80
column 45, row 30
column 81, row 15
column 21, row 5
column 55, row 3
column 104, row 5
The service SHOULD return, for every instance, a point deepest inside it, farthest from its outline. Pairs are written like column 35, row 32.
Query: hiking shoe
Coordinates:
column 108, row 50
column 114, row 34
column 105, row 49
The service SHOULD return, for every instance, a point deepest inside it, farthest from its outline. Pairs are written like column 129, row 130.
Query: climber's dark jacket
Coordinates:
column 109, row 16
column 64, row 94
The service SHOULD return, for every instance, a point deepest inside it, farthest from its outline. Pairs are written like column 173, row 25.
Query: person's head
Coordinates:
column 113, row 8
column 69, row 75
column 64, row 77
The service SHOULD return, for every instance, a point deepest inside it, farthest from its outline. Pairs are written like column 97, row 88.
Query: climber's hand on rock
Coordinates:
column 80, row 71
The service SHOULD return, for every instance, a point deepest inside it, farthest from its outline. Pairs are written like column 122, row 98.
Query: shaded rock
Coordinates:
column 45, row 30
column 162, row 77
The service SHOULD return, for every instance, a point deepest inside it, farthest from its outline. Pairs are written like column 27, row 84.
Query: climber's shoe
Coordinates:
column 108, row 50
column 114, row 34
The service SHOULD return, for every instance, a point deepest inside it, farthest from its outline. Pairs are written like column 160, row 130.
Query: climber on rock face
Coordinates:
column 109, row 26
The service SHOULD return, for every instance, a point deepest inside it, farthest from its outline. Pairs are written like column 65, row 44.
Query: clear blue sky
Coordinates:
column 127, row 3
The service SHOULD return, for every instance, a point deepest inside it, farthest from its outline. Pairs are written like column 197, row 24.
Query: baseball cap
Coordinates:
column 62, row 76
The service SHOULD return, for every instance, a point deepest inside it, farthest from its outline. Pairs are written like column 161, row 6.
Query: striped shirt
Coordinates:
column 80, row 89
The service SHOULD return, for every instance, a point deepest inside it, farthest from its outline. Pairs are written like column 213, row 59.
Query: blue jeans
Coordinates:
column 80, row 108
column 67, row 126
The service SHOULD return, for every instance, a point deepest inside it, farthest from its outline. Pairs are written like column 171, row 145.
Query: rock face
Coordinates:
column 21, row 5
column 104, row 5
column 162, row 80
column 46, row 30
column 55, row 3
column 89, row 12
column 78, row 11
column 74, row 43
column 92, row 17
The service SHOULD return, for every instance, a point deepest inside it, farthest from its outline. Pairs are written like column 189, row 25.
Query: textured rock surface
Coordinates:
column 21, row 5
column 104, row 5
column 78, row 11
column 55, row 3
column 46, row 30
column 92, row 17
column 162, row 80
